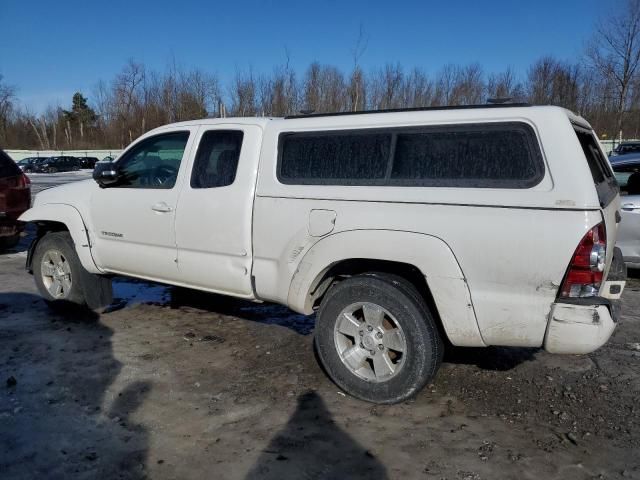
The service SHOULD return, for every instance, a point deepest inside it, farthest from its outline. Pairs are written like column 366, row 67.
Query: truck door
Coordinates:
column 133, row 221
column 214, row 216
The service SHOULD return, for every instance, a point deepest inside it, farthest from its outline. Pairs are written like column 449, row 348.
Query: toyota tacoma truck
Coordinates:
column 403, row 231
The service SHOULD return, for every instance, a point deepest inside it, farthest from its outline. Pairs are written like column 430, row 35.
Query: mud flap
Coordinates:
column 615, row 283
column 97, row 289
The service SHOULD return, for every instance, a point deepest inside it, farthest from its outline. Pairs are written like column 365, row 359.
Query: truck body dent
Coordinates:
column 429, row 254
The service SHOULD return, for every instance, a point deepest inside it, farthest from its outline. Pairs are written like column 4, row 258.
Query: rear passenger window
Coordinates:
column 217, row 159
column 505, row 155
column 335, row 158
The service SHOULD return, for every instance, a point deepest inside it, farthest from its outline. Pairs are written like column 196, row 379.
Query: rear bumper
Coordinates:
column 580, row 327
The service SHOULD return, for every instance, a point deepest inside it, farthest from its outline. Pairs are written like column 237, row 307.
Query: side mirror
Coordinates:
column 106, row 174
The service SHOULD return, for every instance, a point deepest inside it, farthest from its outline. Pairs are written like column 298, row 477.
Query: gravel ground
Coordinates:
column 176, row 384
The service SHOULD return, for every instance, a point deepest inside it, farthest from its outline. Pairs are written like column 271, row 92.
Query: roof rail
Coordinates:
column 413, row 109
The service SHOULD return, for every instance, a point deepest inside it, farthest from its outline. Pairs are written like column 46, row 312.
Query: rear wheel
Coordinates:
column 52, row 170
column 377, row 339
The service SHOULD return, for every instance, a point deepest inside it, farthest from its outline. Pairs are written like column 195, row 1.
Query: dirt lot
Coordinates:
column 171, row 384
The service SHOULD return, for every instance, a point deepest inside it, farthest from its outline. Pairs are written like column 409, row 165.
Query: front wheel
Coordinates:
column 57, row 270
column 62, row 280
column 377, row 339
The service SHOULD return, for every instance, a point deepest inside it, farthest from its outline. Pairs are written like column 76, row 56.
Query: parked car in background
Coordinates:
column 26, row 164
column 88, row 162
column 627, row 172
column 626, row 147
column 57, row 164
column 624, row 166
column 15, row 199
column 401, row 228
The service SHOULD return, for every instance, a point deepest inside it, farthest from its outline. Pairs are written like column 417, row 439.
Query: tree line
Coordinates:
column 603, row 85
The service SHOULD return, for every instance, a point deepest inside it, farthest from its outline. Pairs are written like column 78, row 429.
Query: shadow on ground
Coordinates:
column 490, row 358
column 268, row 313
column 56, row 370
column 311, row 445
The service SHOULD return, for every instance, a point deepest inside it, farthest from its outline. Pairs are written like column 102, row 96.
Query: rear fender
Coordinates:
column 431, row 255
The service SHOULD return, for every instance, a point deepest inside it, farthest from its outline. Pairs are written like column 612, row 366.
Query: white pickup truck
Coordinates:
column 404, row 230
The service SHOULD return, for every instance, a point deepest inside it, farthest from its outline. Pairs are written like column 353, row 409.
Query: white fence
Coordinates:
column 608, row 145
column 100, row 154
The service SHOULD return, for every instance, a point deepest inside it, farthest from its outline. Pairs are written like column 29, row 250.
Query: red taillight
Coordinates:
column 23, row 181
column 18, row 182
column 585, row 272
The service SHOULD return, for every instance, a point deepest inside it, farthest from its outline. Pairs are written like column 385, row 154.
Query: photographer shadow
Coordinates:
column 311, row 445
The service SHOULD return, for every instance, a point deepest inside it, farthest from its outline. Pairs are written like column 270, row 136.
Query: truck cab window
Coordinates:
column 217, row 159
column 154, row 162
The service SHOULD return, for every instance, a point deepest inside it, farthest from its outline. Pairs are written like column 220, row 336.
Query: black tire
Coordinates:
column 424, row 347
column 62, row 243
column 7, row 243
column 52, row 170
column 87, row 289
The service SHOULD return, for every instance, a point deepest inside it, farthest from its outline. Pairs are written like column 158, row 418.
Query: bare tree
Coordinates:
column 279, row 95
column 357, row 84
column 469, row 85
column 386, row 87
column 445, row 84
column 417, row 89
column 244, row 95
column 505, row 85
column 7, row 99
column 615, row 52
column 604, row 87
column 324, row 89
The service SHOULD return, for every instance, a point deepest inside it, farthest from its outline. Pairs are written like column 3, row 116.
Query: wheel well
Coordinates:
column 46, row 226
column 356, row 266
column 43, row 227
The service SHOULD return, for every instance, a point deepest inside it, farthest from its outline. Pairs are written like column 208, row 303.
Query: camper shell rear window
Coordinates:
column 603, row 178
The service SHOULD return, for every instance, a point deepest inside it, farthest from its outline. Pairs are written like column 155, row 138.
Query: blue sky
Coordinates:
column 50, row 49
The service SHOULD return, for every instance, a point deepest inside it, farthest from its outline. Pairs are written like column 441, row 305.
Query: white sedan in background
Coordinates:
column 627, row 171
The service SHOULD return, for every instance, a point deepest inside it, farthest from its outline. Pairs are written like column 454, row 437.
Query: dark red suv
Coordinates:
column 15, row 198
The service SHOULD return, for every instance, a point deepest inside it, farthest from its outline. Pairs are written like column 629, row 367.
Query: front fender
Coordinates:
column 431, row 255
column 71, row 218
